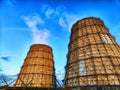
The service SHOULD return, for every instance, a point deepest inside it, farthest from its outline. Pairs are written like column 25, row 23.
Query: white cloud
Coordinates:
column 59, row 13
column 72, row 18
column 43, row 8
column 62, row 22
column 60, row 74
column 60, row 16
column 32, row 21
column 40, row 36
column 49, row 12
column 52, row 13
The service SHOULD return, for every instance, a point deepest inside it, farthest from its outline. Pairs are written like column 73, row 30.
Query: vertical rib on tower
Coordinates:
column 93, row 56
column 38, row 68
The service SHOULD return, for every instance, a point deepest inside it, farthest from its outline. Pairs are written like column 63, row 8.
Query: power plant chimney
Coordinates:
column 93, row 55
column 38, row 68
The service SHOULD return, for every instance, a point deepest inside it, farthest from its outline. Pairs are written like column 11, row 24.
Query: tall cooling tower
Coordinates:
column 38, row 68
column 94, row 56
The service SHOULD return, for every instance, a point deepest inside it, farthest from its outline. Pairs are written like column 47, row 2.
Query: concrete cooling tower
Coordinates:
column 93, row 55
column 38, row 68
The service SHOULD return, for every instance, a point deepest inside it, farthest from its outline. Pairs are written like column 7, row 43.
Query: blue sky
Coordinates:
column 27, row 22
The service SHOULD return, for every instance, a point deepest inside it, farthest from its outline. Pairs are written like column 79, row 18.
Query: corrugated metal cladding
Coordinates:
column 38, row 68
column 94, row 56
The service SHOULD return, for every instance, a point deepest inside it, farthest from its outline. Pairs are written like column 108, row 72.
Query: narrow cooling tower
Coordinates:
column 94, row 56
column 38, row 68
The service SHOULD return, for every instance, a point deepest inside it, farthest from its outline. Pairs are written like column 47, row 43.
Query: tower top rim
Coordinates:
column 40, row 45
column 87, row 18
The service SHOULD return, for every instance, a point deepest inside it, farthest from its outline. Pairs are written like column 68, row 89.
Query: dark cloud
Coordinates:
column 6, row 58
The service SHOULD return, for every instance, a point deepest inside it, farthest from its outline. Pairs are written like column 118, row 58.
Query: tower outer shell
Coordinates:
column 38, row 68
column 94, row 56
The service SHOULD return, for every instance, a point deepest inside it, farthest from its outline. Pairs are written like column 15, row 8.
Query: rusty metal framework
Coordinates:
column 38, row 68
column 94, row 56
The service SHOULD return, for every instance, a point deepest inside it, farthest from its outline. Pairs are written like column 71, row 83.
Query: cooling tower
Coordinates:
column 38, row 68
column 93, row 55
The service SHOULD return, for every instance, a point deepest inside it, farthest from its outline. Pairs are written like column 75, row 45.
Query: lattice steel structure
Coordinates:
column 93, row 56
column 38, row 68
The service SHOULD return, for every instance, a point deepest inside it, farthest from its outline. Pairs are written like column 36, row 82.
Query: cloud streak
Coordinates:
column 15, row 28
